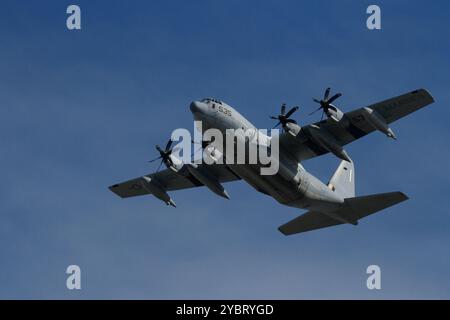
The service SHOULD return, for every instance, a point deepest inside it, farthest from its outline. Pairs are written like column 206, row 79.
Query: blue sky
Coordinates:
column 81, row 110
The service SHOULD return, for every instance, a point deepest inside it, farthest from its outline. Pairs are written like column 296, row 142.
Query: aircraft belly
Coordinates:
column 274, row 185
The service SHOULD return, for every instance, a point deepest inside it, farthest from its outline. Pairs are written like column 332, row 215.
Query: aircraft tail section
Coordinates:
column 343, row 180
column 361, row 207
column 351, row 211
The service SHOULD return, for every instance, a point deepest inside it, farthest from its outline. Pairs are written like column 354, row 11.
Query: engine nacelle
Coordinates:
column 174, row 163
column 334, row 113
column 326, row 141
column 378, row 122
column 293, row 128
column 208, row 180
column 212, row 153
column 153, row 187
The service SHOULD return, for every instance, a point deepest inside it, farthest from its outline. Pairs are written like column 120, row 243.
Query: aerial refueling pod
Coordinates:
column 152, row 186
column 327, row 142
column 378, row 122
column 208, row 180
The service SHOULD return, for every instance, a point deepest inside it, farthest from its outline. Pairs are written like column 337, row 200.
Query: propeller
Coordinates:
column 164, row 155
column 283, row 118
column 325, row 103
column 203, row 143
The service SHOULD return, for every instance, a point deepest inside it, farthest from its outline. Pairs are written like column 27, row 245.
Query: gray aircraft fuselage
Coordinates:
column 292, row 185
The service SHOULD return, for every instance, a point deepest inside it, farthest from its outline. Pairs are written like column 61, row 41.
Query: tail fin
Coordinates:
column 343, row 180
column 351, row 211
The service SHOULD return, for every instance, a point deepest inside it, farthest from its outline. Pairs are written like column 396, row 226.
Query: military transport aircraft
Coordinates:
column 328, row 204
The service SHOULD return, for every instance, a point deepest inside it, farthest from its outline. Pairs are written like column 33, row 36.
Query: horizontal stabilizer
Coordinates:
column 363, row 206
column 352, row 210
column 308, row 221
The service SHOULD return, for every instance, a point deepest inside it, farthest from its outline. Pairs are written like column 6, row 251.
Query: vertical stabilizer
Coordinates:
column 343, row 180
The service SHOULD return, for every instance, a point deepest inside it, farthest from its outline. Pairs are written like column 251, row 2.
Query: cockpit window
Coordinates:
column 208, row 100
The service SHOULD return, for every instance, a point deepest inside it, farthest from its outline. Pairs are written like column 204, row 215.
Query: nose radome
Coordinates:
column 197, row 106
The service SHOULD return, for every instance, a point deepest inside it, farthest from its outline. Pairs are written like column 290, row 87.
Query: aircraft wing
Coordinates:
column 171, row 180
column 302, row 147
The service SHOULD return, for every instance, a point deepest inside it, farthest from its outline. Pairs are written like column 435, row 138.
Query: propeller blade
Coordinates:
column 168, row 145
column 315, row 111
column 283, row 108
column 159, row 167
column 158, row 148
column 290, row 112
column 315, row 100
column 273, row 117
column 200, row 143
column 203, row 144
column 321, row 117
column 337, row 95
column 327, row 93
column 290, row 121
column 155, row 159
column 198, row 149
column 277, row 125
column 195, row 144
column 175, row 149
column 206, row 143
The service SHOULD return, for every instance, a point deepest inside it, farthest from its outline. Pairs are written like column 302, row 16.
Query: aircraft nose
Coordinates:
column 198, row 107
